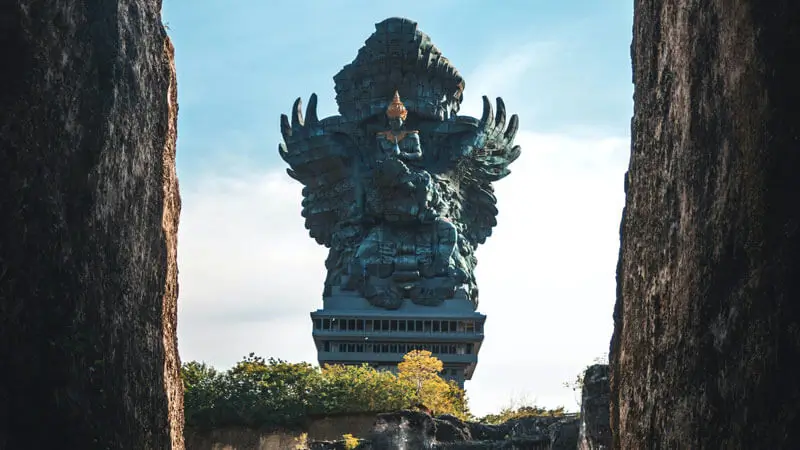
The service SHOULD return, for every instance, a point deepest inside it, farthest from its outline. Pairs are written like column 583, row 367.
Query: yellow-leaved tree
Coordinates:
column 421, row 369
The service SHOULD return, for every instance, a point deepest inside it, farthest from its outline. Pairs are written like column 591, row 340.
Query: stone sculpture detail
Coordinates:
column 398, row 186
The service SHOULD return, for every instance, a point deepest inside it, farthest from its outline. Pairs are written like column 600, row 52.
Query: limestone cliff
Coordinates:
column 707, row 321
column 89, row 214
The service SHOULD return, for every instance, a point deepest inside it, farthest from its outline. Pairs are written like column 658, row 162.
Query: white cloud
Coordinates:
column 547, row 273
column 247, row 270
column 249, row 273
column 504, row 73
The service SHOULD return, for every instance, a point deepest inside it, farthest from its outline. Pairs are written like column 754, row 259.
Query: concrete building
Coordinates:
column 348, row 330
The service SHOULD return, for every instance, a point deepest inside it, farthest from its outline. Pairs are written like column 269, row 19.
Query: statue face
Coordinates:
column 396, row 123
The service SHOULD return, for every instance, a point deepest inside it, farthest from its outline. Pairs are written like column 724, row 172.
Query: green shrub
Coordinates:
column 521, row 412
column 259, row 393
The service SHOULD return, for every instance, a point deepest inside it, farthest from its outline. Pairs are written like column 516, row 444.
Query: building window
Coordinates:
column 326, row 324
column 385, row 325
column 369, row 324
column 418, row 325
column 436, row 326
column 393, row 325
column 401, row 325
column 326, row 346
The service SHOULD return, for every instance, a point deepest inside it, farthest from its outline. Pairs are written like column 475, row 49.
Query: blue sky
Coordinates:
column 249, row 274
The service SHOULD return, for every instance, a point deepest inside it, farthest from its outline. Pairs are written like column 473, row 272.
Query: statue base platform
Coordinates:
column 349, row 330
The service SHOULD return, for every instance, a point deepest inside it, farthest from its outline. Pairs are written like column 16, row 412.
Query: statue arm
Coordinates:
column 415, row 153
column 385, row 145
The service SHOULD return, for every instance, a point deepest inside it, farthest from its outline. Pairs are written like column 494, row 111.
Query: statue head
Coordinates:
column 396, row 112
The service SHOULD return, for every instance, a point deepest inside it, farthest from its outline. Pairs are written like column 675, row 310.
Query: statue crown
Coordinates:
column 396, row 108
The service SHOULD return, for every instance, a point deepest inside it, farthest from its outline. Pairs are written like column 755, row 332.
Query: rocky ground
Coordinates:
column 418, row 430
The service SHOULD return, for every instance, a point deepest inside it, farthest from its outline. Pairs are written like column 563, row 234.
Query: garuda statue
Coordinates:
column 398, row 186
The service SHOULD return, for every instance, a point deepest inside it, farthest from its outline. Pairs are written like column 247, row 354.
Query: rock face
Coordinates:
column 89, row 212
column 595, row 431
column 707, row 321
column 418, row 430
column 403, row 429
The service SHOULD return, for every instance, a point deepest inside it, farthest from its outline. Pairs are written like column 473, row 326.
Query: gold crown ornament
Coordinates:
column 396, row 108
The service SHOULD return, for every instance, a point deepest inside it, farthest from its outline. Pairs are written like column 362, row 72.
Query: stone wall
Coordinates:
column 331, row 428
column 238, row 438
column 707, row 320
column 322, row 428
column 89, row 211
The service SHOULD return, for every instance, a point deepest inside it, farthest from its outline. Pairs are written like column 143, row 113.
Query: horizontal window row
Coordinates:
column 427, row 326
column 395, row 347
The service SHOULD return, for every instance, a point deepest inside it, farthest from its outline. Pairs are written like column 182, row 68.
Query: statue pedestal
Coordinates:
column 349, row 330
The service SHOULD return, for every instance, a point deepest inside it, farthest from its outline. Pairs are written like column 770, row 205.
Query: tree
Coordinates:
column 421, row 369
column 258, row 392
column 419, row 366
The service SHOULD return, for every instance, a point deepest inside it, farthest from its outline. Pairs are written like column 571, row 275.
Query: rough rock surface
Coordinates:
column 595, row 429
column 412, row 429
column 418, row 430
column 450, row 428
column 707, row 321
column 564, row 434
column 89, row 212
column 327, row 445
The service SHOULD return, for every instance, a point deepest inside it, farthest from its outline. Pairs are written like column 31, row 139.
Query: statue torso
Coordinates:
column 406, row 141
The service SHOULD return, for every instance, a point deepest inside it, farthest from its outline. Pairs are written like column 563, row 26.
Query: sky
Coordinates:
column 249, row 274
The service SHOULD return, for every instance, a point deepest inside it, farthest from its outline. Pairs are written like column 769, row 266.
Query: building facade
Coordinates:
column 349, row 330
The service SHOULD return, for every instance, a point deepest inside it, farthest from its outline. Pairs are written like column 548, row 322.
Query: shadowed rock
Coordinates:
column 403, row 430
column 595, row 431
column 450, row 428
column 707, row 320
column 89, row 212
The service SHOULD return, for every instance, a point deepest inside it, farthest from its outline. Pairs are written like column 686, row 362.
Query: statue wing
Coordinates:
column 481, row 151
column 320, row 157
